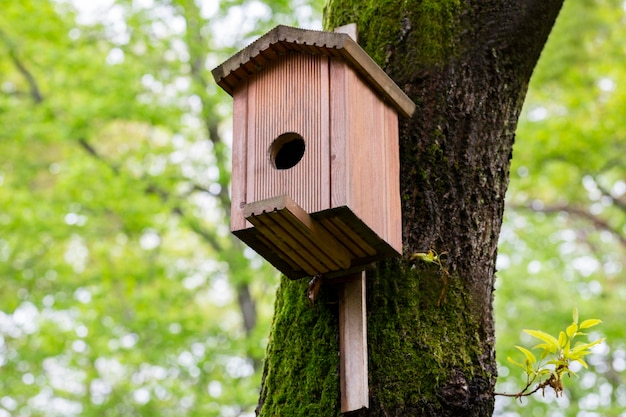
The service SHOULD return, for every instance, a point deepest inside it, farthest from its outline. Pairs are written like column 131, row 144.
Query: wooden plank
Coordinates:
column 365, row 144
column 294, row 225
column 239, row 158
column 378, row 79
column 349, row 223
column 290, row 96
column 324, row 183
column 298, row 222
column 319, row 245
column 273, row 249
column 353, row 344
column 287, row 244
column 261, row 245
column 374, row 162
column 346, row 241
column 393, row 201
column 290, row 242
column 302, row 238
column 339, row 132
column 283, row 249
column 351, row 232
column 251, row 140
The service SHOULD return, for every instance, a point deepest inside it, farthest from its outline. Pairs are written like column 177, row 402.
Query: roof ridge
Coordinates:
column 283, row 39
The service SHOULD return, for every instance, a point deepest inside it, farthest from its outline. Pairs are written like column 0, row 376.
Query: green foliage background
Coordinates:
column 122, row 292
column 563, row 242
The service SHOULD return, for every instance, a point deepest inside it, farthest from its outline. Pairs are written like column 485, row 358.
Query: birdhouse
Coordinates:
column 315, row 178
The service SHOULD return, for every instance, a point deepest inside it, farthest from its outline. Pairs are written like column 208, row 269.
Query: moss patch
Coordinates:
column 436, row 23
column 301, row 373
column 415, row 345
column 386, row 24
column 378, row 22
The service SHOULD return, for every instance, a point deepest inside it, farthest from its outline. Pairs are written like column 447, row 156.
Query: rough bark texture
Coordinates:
column 466, row 64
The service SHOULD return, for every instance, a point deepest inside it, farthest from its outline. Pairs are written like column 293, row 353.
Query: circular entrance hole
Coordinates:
column 286, row 150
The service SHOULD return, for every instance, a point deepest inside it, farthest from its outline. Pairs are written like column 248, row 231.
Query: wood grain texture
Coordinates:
column 239, row 157
column 339, row 131
column 392, row 181
column 353, row 344
column 334, row 242
column 291, row 96
column 365, row 172
column 290, row 224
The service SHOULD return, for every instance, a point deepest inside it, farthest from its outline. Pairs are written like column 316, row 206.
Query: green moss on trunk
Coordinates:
column 430, row 25
column 421, row 336
column 418, row 341
column 301, row 372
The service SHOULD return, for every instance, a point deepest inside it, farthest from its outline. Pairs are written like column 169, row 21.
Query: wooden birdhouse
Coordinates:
column 315, row 179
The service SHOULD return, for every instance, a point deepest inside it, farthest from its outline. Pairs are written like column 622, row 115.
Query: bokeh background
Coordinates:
column 122, row 292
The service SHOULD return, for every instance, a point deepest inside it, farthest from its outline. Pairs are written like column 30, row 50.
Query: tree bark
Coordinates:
column 466, row 64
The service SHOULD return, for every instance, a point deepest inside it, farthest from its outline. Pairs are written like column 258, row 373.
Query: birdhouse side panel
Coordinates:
column 370, row 174
column 366, row 152
column 287, row 138
column 392, row 183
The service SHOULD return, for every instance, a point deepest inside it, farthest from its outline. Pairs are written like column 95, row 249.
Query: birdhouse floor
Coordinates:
column 332, row 242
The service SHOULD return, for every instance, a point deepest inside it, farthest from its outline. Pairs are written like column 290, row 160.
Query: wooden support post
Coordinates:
column 353, row 343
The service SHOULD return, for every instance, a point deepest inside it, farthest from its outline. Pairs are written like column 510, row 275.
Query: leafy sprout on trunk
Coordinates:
column 556, row 354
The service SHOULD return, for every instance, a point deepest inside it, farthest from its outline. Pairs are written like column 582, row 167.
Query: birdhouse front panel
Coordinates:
column 287, row 149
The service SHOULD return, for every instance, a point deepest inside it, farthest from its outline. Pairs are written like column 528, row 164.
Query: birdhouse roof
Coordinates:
column 282, row 39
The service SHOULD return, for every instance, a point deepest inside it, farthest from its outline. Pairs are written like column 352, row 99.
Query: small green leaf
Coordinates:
column 580, row 347
column 557, row 363
column 583, row 363
column 510, row 359
column 529, row 355
column 571, row 330
column 589, row 323
column 548, row 338
column 426, row 257
column 575, row 356
column 562, row 339
column 547, row 348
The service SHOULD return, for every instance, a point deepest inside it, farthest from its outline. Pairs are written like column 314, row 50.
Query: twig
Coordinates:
column 35, row 92
column 553, row 382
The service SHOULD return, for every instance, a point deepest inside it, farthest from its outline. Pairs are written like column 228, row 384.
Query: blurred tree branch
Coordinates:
column 598, row 222
column 35, row 92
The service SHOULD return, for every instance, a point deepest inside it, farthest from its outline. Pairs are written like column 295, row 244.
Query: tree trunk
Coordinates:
column 430, row 326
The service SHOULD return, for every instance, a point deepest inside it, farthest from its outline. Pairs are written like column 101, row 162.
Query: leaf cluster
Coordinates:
column 555, row 355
